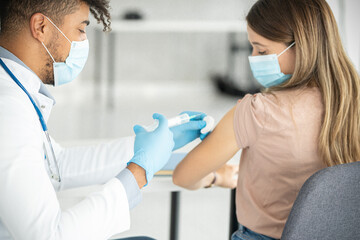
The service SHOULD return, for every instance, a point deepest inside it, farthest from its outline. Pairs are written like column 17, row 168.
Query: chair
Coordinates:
column 327, row 206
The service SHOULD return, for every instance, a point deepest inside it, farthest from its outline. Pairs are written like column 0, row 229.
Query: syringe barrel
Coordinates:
column 178, row 120
column 172, row 122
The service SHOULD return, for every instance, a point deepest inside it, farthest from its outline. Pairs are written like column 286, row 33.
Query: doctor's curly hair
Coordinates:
column 14, row 14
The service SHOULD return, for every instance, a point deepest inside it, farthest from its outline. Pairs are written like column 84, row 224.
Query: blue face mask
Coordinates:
column 266, row 69
column 65, row 72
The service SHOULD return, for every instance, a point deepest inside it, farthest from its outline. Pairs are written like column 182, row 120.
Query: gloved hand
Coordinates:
column 152, row 150
column 188, row 132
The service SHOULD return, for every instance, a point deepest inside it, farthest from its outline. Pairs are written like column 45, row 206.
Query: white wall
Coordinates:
column 156, row 57
column 352, row 31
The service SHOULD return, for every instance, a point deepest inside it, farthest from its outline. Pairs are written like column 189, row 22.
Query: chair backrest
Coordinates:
column 327, row 206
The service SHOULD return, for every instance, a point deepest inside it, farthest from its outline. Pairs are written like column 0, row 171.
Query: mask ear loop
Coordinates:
column 48, row 52
column 286, row 49
column 57, row 28
column 60, row 32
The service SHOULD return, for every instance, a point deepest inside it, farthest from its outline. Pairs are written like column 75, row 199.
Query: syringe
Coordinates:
column 172, row 122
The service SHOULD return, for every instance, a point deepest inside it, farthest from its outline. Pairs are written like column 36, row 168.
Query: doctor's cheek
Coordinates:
column 83, row 35
column 78, row 34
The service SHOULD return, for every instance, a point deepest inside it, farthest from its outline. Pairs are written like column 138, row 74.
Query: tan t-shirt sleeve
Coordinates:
column 249, row 120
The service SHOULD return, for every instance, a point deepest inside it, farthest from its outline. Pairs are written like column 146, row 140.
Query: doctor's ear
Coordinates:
column 38, row 26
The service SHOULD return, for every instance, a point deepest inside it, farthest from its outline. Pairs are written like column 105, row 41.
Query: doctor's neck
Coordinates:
column 26, row 48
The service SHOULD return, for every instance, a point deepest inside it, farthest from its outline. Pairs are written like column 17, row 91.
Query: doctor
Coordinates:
column 44, row 42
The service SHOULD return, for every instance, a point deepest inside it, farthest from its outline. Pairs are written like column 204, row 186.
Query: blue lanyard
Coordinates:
column 55, row 176
column 41, row 118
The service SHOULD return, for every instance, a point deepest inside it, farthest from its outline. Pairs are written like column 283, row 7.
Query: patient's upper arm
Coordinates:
column 215, row 150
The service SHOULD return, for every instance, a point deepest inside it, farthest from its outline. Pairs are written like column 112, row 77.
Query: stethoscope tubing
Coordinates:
column 41, row 118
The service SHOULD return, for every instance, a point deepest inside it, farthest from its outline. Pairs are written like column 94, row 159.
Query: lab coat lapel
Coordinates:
column 31, row 83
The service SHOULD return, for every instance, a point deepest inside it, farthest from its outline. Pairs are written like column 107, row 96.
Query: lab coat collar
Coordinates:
column 37, row 84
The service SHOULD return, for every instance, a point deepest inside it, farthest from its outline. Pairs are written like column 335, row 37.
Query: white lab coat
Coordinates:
column 29, row 208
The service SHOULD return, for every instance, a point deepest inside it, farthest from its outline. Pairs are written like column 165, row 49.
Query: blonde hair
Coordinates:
column 320, row 61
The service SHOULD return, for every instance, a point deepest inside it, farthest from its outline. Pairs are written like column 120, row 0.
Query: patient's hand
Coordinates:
column 227, row 176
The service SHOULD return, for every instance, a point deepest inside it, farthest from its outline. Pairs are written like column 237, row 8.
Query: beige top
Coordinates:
column 279, row 136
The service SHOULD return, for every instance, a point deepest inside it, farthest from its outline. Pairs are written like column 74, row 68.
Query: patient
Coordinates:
column 306, row 119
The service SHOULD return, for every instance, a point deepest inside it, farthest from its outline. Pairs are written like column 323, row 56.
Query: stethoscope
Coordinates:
column 55, row 176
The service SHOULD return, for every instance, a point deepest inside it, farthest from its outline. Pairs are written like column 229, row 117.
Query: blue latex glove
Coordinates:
column 152, row 150
column 188, row 132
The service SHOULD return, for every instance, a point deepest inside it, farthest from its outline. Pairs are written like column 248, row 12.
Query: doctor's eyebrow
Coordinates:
column 87, row 22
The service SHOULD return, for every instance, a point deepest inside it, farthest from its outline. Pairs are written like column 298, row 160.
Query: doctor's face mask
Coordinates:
column 266, row 69
column 65, row 72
